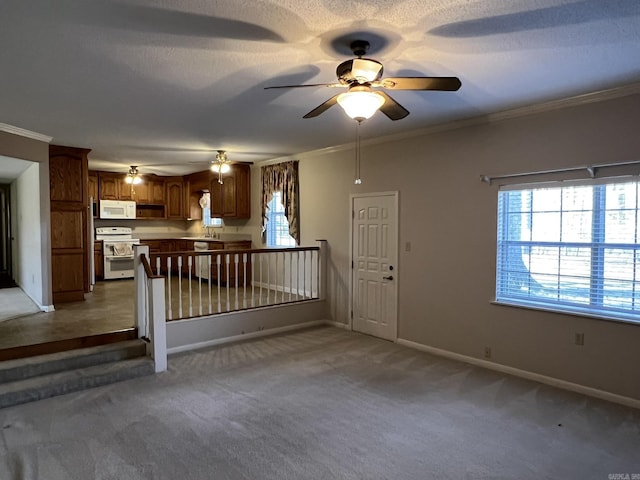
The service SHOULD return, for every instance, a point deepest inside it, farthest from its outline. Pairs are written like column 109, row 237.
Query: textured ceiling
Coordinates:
column 163, row 84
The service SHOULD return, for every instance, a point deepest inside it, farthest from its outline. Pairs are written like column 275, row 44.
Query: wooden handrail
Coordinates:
column 239, row 251
column 147, row 267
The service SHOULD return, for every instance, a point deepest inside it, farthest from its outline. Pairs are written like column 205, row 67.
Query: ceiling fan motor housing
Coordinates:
column 360, row 70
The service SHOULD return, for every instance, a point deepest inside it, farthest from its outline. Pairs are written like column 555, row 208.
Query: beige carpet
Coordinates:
column 319, row 404
column 15, row 303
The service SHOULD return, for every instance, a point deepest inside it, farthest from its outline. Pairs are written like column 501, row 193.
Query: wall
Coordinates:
column 31, row 210
column 29, row 273
column 447, row 281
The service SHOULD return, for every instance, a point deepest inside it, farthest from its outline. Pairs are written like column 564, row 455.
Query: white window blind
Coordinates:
column 571, row 248
column 278, row 225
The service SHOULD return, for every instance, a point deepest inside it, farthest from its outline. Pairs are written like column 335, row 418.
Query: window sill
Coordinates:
column 562, row 311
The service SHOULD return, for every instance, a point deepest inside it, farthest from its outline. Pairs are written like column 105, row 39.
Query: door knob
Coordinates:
column 390, row 277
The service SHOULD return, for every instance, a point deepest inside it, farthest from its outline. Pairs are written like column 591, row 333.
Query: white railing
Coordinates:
column 210, row 282
column 150, row 318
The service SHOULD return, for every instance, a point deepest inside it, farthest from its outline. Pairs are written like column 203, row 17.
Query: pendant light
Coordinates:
column 220, row 165
column 133, row 177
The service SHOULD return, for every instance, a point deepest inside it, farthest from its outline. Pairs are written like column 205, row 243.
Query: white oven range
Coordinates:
column 117, row 248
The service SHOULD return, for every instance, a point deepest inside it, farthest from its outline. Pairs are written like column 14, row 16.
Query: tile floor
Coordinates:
column 108, row 308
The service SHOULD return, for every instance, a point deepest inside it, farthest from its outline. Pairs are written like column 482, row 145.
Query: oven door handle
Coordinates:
column 119, row 257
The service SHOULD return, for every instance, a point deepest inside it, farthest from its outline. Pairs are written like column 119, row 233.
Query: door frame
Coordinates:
column 396, row 206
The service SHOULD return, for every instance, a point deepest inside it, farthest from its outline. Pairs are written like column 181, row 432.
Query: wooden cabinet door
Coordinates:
column 98, row 260
column 217, row 198
column 125, row 190
column 70, row 255
column 156, row 190
column 229, row 195
column 108, row 183
column 140, row 192
column 92, row 184
column 243, row 190
column 175, row 198
column 231, row 199
column 67, row 181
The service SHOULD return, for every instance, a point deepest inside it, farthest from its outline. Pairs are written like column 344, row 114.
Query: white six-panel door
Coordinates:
column 375, row 263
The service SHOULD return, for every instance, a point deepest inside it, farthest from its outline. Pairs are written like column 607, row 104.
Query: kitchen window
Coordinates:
column 571, row 246
column 277, row 224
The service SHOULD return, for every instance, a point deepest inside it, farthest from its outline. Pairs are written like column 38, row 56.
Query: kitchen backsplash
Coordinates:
column 175, row 228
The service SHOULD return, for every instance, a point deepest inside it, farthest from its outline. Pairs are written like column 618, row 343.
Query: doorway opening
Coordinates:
column 6, row 274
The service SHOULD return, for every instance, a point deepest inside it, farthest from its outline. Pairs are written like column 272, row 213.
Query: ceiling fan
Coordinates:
column 363, row 78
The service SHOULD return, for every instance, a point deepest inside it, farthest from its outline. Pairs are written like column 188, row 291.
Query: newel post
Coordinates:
column 322, row 269
column 158, row 324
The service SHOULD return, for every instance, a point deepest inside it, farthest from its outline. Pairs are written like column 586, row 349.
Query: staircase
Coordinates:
column 34, row 378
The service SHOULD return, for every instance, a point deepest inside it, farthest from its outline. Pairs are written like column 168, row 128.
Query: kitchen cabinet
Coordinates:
column 230, row 279
column 92, row 192
column 231, row 198
column 150, row 191
column 196, row 184
column 175, row 198
column 98, row 260
column 126, row 191
column 172, row 245
column 108, row 185
column 68, row 195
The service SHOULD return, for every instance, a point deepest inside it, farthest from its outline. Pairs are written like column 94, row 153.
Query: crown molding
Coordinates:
column 534, row 109
column 4, row 127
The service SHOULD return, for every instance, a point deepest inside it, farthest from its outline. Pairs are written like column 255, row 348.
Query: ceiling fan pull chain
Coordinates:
column 358, row 180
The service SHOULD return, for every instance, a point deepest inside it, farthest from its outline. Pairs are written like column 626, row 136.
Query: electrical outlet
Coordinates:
column 579, row 339
column 487, row 352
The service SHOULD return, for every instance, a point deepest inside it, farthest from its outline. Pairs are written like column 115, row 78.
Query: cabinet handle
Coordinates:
column 390, row 277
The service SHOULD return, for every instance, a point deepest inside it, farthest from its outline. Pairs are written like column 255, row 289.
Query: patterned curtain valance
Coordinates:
column 282, row 177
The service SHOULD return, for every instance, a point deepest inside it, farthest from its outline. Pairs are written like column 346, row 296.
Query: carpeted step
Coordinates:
column 53, row 384
column 23, row 368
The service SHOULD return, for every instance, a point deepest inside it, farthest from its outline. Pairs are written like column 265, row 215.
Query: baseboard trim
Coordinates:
column 536, row 377
column 43, row 308
column 244, row 336
column 337, row 324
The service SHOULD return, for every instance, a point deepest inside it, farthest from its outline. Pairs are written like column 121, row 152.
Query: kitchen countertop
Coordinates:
column 223, row 237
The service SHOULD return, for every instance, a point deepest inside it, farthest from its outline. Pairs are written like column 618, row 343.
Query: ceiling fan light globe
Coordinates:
column 136, row 180
column 128, row 179
column 220, row 167
column 360, row 105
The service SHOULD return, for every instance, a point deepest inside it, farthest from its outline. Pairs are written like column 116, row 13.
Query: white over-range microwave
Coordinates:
column 117, row 209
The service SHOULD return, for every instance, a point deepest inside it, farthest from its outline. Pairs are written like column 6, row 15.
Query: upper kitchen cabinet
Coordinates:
column 175, row 197
column 108, row 183
column 93, row 186
column 195, row 184
column 231, row 198
column 151, row 191
column 126, row 191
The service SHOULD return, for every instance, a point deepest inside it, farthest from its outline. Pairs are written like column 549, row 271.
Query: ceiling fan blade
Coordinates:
column 391, row 108
column 307, row 85
column 450, row 84
column 322, row 107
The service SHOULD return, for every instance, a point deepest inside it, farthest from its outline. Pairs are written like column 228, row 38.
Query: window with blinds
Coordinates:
column 572, row 248
column 278, row 225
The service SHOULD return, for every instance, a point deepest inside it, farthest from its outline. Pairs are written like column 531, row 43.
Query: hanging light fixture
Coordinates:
column 220, row 165
column 133, row 177
column 360, row 103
